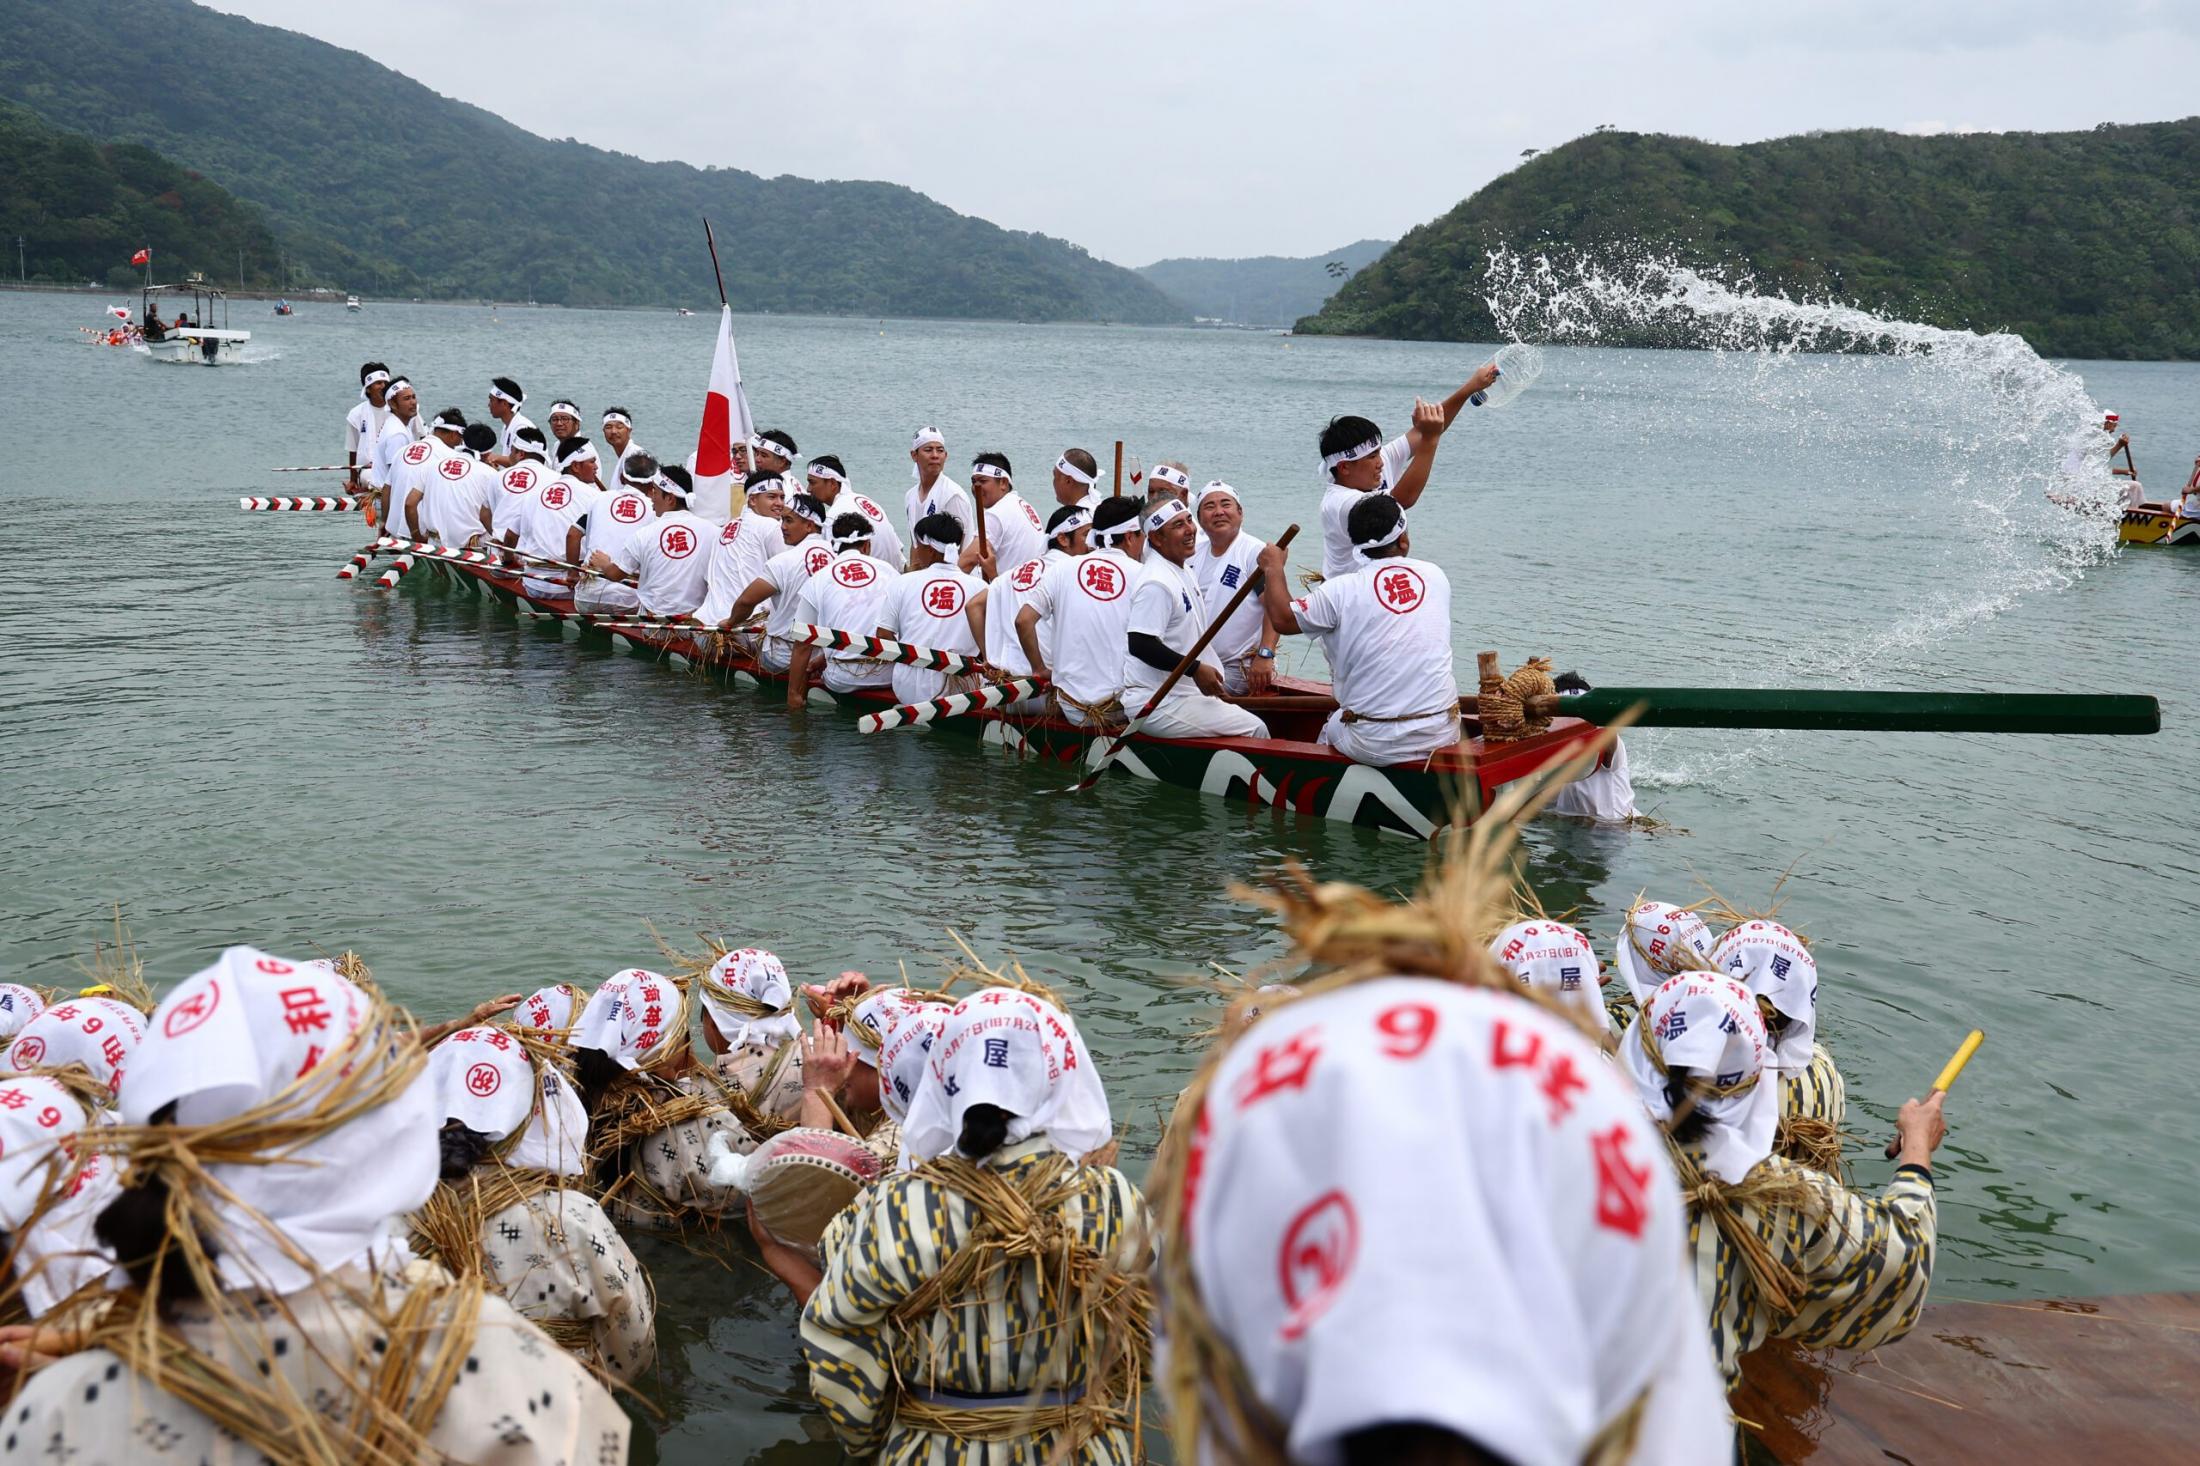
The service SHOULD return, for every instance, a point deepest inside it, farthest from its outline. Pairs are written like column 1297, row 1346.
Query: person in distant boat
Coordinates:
column 1089, row 603
column 153, row 330
column 618, row 437
column 804, row 553
column 564, row 421
column 396, row 436
column 1386, row 631
column 1013, row 530
column 847, row 596
column 667, row 563
column 1168, row 616
column 2188, row 507
column 363, row 424
column 1356, row 461
column 621, row 514
column 827, row 478
column 1224, row 560
column 505, row 401
column 934, row 604
column 934, row 492
column 1077, row 480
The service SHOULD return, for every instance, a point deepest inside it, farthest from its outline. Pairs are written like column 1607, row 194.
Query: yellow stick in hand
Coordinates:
column 1947, row 1078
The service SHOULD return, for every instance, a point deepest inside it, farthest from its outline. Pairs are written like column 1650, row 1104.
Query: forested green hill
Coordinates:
column 2086, row 243
column 459, row 202
column 1266, row 290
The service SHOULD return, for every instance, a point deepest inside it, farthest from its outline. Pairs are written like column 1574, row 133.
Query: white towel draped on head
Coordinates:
column 904, row 1064
column 1773, row 963
column 1004, row 1047
column 634, row 1017
column 551, row 1011
column 240, row 1035
column 755, row 974
column 42, row 1161
column 99, row 1033
column 1659, row 941
column 18, row 1006
column 1708, row 1022
column 487, row 1081
column 1552, row 956
column 1410, row 1200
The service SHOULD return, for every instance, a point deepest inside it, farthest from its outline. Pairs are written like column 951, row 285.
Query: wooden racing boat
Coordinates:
column 1289, row 771
column 2148, row 525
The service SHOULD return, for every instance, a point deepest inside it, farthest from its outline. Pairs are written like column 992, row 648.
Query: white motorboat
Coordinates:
column 351, row 302
column 189, row 335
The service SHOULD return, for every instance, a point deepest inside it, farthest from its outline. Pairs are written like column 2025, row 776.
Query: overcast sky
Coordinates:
column 1149, row 128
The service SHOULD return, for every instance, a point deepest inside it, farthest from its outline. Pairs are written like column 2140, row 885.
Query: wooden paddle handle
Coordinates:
column 1118, row 469
column 1190, row 658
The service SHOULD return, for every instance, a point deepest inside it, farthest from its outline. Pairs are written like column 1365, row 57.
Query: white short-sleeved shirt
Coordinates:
column 612, row 524
column 1220, row 577
column 1386, row 630
column 453, row 492
column 1014, row 532
column 944, row 497
column 408, row 471
column 1011, row 588
column 848, row 595
column 788, row 571
column 885, row 540
column 1337, row 554
column 393, row 440
column 510, row 428
column 1089, row 599
column 929, row 608
column 671, row 562
column 515, row 486
column 2189, row 506
column 744, row 548
column 555, row 507
column 362, row 427
column 1165, row 603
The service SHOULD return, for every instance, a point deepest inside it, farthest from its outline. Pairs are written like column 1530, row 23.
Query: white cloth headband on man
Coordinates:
column 1175, row 478
column 1217, row 489
column 505, row 397
column 1353, row 454
column 981, row 469
column 851, row 539
column 586, row 453
column 773, row 485
column 1071, row 525
column 951, row 551
column 799, row 510
column 923, row 436
column 616, row 416
column 1397, row 531
column 397, row 385
column 1136, row 524
column 1070, row 470
column 565, row 407
column 1165, row 514
column 826, row 470
column 372, row 378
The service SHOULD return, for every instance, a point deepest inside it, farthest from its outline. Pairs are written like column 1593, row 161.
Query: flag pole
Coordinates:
column 712, row 240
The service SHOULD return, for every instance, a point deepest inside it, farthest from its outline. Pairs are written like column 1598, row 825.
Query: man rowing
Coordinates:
column 409, row 476
column 624, row 512
column 505, row 399
column 1069, row 534
column 550, row 521
column 1356, row 461
column 458, row 490
column 516, row 484
column 1168, row 616
column 666, row 562
column 846, row 595
column 934, row 604
column 804, row 553
column 1386, row 630
column 1089, row 601
column 1013, row 531
column 747, row 545
column 1224, row 560
column 827, row 478
column 934, row 492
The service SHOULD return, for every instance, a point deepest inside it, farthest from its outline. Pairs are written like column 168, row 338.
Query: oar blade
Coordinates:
column 1864, row 711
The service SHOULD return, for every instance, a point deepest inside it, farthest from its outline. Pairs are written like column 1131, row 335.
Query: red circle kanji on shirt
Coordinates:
column 417, row 453
column 556, row 496
column 1027, row 574
column 817, row 559
column 941, row 598
column 677, row 541
column 854, row 574
column 730, row 533
column 626, row 509
column 1103, row 580
column 452, row 468
column 1399, row 589
column 519, row 480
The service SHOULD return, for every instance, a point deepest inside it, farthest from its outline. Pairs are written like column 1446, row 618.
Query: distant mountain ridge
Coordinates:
column 459, row 202
column 2085, row 243
column 1263, row 290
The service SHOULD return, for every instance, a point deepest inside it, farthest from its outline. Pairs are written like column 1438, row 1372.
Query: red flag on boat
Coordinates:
column 119, row 312
column 726, row 421
column 142, row 257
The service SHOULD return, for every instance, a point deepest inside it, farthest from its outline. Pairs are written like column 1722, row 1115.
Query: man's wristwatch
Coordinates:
column 1266, row 654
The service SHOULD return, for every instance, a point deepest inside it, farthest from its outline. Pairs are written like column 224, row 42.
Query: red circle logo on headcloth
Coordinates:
column 1399, row 589
column 483, row 1080
column 452, row 468
column 1319, row 1250
column 193, row 1011
column 29, row 1051
column 626, row 509
column 854, row 574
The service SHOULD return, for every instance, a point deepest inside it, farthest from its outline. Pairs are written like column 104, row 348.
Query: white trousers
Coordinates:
column 1383, row 744
column 845, row 674
column 1196, row 715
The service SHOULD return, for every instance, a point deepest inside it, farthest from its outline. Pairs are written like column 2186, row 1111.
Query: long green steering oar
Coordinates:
column 1862, row 711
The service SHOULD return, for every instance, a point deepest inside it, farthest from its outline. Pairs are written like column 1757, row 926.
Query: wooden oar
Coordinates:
column 322, row 468
column 1947, row 1077
column 1842, row 709
column 879, row 649
column 317, row 504
column 913, row 714
column 1114, row 743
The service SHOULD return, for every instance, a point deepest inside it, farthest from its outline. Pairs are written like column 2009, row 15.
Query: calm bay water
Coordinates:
column 201, row 724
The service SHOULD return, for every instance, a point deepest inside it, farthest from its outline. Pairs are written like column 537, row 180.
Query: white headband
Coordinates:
column 503, row 396
column 1070, row 470
column 1161, row 473
column 586, row 453
column 567, row 408
column 950, row 551
column 856, row 537
column 397, row 385
column 1217, row 487
column 773, row 485
column 1169, row 511
column 1129, row 527
column 823, row 470
column 777, row 449
column 373, row 377
column 794, row 507
column 924, row 436
column 445, row 425
column 1072, row 524
column 1349, row 455
column 990, row 470
column 1389, row 539
column 670, row 486
column 616, row 416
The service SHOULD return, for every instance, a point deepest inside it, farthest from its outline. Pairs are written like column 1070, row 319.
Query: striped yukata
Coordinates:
column 1864, row 1265
column 1816, row 1093
column 881, row 1250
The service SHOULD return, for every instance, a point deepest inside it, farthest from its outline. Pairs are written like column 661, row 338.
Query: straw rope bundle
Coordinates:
column 1813, row 1141
column 635, row 1107
column 1503, row 706
column 447, row 1228
column 1345, row 935
column 385, row 1418
column 1104, row 1309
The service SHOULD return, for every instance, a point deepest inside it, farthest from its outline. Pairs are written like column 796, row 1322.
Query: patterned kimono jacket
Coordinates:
column 987, row 1349
column 558, row 1260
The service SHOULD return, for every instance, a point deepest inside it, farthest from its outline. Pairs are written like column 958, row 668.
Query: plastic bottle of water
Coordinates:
column 1518, row 365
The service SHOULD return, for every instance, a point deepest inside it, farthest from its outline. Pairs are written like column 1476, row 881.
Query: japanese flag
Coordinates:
column 119, row 312
column 726, row 421
column 142, row 257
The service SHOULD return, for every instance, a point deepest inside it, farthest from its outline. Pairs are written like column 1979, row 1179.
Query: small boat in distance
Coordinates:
column 683, row 310
column 191, row 335
column 285, row 308
column 351, row 302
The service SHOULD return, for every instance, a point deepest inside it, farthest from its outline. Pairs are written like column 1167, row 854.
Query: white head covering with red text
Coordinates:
column 1773, row 963
column 1552, row 956
column 1708, row 1022
column 1660, row 940
column 42, row 1172
column 99, row 1033
column 1004, row 1047
column 487, row 1081
column 18, row 1006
